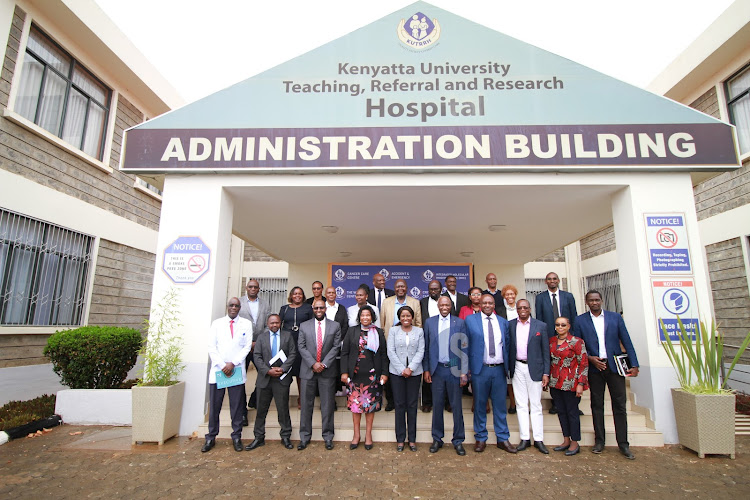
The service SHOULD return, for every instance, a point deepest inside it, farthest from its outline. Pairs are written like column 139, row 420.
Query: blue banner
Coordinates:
column 346, row 278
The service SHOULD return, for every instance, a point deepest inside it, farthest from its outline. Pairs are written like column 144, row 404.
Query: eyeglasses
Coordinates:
column 318, row 308
column 476, row 294
column 560, row 324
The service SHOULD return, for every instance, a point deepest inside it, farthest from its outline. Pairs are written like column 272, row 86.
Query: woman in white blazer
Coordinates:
column 405, row 353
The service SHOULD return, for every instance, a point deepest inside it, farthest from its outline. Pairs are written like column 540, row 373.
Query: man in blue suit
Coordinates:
column 489, row 347
column 603, row 332
column 529, row 366
column 552, row 304
column 446, row 366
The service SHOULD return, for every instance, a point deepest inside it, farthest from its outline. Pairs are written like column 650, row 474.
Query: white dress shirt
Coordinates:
column 223, row 348
column 599, row 327
column 498, row 336
column 353, row 311
column 557, row 296
column 331, row 310
column 432, row 308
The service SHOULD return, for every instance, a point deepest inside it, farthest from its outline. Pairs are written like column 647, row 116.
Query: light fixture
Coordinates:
column 330, row 229
column 345, row 254
column 497, row 227
column 466, row 254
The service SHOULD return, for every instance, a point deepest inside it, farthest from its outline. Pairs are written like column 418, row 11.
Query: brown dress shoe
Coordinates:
column 480, row 446
column 505, row 445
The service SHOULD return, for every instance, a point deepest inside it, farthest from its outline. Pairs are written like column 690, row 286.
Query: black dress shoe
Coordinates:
column 302, row 445
column 400, row 447
column 570, row 453
column 512, row 410
column 329, row 445
column 389, row 407
column 287, row 443
column 539, row 445
column 448, row 408
column 436, row 445
column 625, row 450
column 580, row 412
column 353, row 446
column 210, row 443
column 525, row 443
column 460, row 450
column 561, row 447
column 553, row 411
column 426, row 408
column 413, row 447
column 237, row 443
column 598, row 448
column 368, row 447
column 244, row 420
column 257, row 443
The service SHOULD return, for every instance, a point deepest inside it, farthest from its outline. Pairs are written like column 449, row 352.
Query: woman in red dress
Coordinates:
column 569, row 369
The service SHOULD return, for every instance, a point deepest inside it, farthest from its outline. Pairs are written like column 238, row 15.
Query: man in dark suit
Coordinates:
column 488, row 354
column 604, row 333
column 270, row 383
column 378, row 293
column 429, row 307
column 255, row 309
column 496, row 294
column 552, row 304
column 458, row 299
column 319, row 345
column 446, row 366
column 529, row 370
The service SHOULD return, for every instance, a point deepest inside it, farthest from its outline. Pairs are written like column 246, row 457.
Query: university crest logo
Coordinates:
column 428, row 276
column 385, row 273
column 339, row 275
column 415, row 292
column 419, row 31
column 340, row 292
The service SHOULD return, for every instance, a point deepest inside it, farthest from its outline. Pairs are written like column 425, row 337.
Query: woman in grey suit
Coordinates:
column 405, row 353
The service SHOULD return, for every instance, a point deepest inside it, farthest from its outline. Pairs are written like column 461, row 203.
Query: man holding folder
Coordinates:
column 274, row 355
column 229, row 342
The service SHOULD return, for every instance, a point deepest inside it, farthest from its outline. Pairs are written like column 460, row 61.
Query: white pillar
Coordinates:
column 653, row 193
column 196, row 206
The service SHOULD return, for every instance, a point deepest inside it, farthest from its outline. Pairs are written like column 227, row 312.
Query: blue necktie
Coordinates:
column 274, row 344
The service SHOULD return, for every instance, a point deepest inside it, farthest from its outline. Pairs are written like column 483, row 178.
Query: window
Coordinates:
column 738, row 95
column 61, row 96
column 43, row 272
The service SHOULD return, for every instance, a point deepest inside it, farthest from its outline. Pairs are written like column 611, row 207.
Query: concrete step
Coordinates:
column 741, row 424
column 639, row 431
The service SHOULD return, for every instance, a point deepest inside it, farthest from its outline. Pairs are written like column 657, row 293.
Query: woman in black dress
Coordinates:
column 364, row 367
column 292, row 315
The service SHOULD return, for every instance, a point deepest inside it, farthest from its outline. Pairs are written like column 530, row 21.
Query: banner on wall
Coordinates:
column 346, row 277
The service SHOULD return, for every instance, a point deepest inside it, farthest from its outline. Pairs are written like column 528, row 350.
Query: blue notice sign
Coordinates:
column 668, row 244
column 186, row 259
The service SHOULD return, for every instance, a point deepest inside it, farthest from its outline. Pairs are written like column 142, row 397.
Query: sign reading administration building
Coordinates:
column 422, row 88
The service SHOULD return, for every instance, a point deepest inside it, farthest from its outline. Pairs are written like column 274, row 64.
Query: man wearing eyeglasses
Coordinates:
column 256, row 310
column 229, row 343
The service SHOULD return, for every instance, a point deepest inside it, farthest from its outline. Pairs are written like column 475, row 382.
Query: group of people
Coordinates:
column 389, row 347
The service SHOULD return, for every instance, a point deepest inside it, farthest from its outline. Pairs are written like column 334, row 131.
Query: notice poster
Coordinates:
column 673, row 298
column 668, row 244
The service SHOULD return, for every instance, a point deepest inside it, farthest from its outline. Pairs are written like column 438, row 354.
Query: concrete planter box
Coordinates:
column 157, row 412
column 94, row 406
column 705, row 422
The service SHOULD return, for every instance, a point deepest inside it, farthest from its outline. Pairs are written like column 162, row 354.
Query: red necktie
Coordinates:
column 231, row 327
column 320, row 341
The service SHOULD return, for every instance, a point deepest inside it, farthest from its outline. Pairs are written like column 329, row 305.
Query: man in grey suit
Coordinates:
column 270, row 383
column 529, row 366
column 319, row 344
column 256, row 310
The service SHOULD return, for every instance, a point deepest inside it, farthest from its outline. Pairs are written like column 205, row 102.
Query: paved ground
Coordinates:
column 100, row 463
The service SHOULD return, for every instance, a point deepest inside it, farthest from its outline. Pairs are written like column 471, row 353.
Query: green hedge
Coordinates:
column 17, row 413
column 94, row 357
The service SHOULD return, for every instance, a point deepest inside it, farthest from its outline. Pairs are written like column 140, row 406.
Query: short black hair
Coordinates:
column 594, row 291
column 367, row 308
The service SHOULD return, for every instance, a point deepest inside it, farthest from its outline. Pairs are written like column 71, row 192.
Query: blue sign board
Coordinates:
column 667, row 243
column 346, row 278
column 186, row 259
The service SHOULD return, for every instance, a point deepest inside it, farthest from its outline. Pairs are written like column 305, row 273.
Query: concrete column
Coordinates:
column 196, row 206
column 665, row 193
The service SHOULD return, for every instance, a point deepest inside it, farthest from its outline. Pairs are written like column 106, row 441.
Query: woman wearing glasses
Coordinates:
column 475, row 297
column 569, row 369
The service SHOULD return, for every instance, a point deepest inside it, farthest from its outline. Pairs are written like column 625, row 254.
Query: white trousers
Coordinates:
column 528, row 395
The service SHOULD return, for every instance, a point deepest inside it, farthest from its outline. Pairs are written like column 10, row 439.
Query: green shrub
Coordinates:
column 94, row 357
column 16, row 413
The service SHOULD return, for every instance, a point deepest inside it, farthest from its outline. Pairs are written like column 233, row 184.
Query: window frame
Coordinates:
column 75, row 64
column 730, row 102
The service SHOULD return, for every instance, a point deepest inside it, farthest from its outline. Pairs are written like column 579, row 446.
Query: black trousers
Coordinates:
column 616, row 384
column 426, row 394
column 279, row 392
column 406, row 397
column 236, row 409
column 567, row 412
column 252, row 401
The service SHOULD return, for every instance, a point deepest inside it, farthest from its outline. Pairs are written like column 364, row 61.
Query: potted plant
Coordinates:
column 157, row 398
column 703, row 406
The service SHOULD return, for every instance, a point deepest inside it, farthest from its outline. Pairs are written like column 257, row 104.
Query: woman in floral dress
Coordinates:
column 364, row 367
column 569, row 370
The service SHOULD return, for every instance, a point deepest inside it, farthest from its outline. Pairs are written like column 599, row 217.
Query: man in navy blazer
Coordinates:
column 446, row 366
column 603, row 332
column 529, row 368
column 489, row 348
column 566, row 304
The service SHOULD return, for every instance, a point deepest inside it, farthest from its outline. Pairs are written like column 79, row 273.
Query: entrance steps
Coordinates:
column 640, row 429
